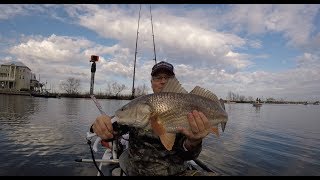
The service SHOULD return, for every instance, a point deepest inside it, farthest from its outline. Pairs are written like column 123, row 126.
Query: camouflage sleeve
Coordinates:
column 186, row 155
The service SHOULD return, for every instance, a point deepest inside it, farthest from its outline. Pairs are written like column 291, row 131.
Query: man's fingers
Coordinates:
column 198, row 120
column 103, row 127
column 193, row 125
column 205, row 121
column 108, row 124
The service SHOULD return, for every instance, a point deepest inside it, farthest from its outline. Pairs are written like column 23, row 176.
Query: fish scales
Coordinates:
column 168, row 110
column 173, row 108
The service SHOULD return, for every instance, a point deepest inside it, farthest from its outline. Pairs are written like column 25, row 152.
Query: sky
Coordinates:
column 265, row 51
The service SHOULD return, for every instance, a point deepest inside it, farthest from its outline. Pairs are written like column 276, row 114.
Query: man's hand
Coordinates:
column 102, row 126
column 199, row 129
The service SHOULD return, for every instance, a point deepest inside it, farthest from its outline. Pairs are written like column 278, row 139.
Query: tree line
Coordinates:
column 241, row 98
column 71, row 87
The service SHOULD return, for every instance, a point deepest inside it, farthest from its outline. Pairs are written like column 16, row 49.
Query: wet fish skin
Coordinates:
column 166, row 111
column 173, row 108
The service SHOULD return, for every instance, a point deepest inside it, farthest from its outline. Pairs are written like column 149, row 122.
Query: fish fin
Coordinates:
column 173, row 85
column 167, row 140
column 215, row 131
column 222, row 103
column 223, row 126
column 204, row 93
column 157, row 126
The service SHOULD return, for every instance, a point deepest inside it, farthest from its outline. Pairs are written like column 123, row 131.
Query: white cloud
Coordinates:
column 53, row 49
column 293, row 21
column 177, row 40
column 308, row 60
column 10, row 10
column 58, row 57
column 196, row 42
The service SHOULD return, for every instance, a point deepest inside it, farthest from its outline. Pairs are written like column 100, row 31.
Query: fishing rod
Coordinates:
column 197, row 161
column 154, row 45
column 94, row 59
column 115, row 149
column 115, row 125
column 136, row 51
column 135, row 57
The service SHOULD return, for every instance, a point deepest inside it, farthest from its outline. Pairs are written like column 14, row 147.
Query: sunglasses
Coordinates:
column 159, row 78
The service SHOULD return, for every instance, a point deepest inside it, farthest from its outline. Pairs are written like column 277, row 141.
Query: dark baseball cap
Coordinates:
column 162, row 67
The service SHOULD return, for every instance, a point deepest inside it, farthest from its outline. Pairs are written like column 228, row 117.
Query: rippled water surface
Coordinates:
column 43, row 137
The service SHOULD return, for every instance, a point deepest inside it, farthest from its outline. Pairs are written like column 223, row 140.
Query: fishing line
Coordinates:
column 93, row 158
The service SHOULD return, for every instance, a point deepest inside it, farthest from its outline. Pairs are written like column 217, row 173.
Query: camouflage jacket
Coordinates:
column 146, row 156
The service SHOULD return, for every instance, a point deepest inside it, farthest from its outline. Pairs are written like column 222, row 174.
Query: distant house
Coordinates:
column 17, row 76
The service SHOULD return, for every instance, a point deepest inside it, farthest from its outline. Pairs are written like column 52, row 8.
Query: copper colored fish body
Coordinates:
column 166, row 111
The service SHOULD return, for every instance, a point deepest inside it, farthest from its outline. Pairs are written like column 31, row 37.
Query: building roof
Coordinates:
column 17, row 63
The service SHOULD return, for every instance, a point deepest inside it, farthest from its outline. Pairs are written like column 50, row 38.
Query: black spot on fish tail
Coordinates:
column 223, row 126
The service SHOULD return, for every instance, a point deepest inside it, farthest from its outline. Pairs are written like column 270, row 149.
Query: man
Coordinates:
column 146, row 155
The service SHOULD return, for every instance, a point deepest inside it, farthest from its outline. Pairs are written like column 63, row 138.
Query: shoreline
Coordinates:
column 25, row 93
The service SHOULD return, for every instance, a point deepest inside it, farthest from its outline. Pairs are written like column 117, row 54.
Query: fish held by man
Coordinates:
column 167, row 111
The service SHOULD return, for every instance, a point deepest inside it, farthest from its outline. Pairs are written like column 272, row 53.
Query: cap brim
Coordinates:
column 162, row 70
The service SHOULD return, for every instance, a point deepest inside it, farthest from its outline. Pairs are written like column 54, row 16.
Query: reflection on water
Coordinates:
column 16, row 109
column 270, row 140
column 257, row 109
column 42, row 136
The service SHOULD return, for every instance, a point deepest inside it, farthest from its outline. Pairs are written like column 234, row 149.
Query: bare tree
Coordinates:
column 109, row 89
column 242, row 98
column 141, row 90
column 114, row 88
column 236, row 97
column 250, row 98
column 117, row 88
column 230, row 96
column 71, row 85
column 270, row 99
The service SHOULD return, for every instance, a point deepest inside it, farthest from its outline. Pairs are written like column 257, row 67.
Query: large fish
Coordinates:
column 164, row 112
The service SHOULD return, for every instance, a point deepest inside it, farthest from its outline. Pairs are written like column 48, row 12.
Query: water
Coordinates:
column 43, row 137
column 40, row 136
column 270, row 140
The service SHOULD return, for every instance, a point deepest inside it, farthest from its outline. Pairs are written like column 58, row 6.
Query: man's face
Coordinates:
column 159, row 80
